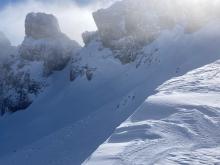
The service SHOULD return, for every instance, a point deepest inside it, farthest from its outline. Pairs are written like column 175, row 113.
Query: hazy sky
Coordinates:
column 74, row 16
column 80, row 2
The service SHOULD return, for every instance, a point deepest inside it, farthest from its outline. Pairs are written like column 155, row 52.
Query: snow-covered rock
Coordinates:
column 45, row 42
column 18, row 85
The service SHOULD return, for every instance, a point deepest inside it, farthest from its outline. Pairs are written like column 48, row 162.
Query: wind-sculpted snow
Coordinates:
column 207, row 81
column 178, row 125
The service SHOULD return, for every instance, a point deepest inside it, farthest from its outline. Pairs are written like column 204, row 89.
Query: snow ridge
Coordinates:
column 180, row 124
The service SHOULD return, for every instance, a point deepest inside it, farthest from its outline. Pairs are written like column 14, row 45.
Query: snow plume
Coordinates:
column 73, row 18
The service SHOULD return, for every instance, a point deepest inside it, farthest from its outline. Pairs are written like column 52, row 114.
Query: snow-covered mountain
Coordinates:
column 70, row 120
column 80, row 95
column 25, row 69
column 180, row 124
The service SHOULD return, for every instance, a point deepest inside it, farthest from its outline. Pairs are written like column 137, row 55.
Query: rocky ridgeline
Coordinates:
column 128, row 25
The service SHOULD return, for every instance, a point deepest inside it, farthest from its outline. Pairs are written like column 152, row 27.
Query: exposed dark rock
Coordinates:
column 89, row 36
column 41, row 25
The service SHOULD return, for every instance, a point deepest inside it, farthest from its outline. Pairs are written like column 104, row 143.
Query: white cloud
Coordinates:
column 73, row 19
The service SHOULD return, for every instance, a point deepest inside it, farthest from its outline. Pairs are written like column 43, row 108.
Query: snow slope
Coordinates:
column 178, row 125
column 69, row 120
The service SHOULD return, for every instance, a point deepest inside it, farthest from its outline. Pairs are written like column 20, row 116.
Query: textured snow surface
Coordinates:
column 178, row 125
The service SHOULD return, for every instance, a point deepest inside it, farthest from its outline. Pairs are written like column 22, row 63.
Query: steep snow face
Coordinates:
column 178, row 125
column 45, row 42
column 69, row 120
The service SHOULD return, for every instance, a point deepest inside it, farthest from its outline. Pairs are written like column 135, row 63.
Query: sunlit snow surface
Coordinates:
column 178, row 125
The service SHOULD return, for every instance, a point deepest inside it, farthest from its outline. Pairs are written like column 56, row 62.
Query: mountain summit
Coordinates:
column 41, row 25
column 45, row 42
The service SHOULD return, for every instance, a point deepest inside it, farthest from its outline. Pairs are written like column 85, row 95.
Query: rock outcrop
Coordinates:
column 17, row 85
column 140, row 19
column 130, row 25
column 89, row 36
column 41, row 25
column 45, row 42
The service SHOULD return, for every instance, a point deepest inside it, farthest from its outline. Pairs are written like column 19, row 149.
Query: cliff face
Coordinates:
column 128, row 25
column 141, row 19
column 45, row 42
column 41, row 25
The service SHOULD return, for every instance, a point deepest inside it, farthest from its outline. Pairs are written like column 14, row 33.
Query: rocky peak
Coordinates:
column 141, row 19
column 130, row 25
column 41, row 25
column 45, row 42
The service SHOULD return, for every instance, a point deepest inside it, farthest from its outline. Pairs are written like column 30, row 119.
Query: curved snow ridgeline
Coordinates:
column 178, row 125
